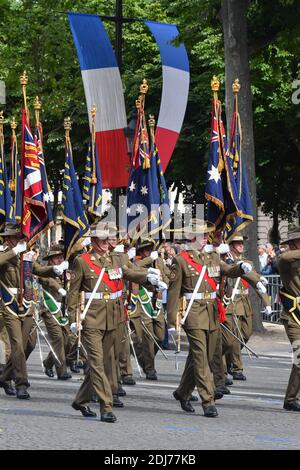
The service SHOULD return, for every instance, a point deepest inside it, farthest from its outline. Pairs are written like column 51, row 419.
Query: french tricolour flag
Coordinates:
column 103, row 87
column 176, row 80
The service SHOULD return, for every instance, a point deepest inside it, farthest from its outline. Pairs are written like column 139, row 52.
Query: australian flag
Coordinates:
column 34, row 212
column 15, row 178
column 6, row 206
column 38, row 133
column 147, row 195
column 238, row 177
column 219, row 191
column 92, row 182
column 76, row 222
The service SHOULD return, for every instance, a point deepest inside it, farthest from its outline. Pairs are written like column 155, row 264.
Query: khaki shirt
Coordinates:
column 102, row 314
column 241, row 305
column 289, row 270
column 183, row 278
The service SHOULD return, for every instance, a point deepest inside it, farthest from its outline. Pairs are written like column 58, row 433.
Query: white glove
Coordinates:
column 162, row 285
column 131, row 252
column 74, row 328
column 261, row 288
column 62, row 292
column 87, row 241
column 246, row 267
column 20, row 247
column 153, row 279
column 208, row 248
column 119, row 249
column 60, row 268
column 264, row 281
column 154, row 271
column 154, row 255
column 268, row 310
column 172, row 330
column 223, row 248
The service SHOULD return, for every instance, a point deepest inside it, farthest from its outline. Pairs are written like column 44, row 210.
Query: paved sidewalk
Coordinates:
column 273, row 342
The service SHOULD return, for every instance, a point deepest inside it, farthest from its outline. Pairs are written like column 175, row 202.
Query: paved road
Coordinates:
column 250, row 418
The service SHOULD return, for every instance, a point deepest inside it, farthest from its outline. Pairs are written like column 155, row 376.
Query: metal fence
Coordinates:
column 273, row 289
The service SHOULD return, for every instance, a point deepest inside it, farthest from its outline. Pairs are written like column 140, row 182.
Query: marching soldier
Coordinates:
column 239, row 311
column 18, row 321
column 150, row 315
column 194, row 275
column 289, row 270
column 101, row 277
column 56, row 324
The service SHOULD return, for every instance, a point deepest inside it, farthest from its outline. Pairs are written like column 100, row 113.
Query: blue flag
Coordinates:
column 238, row 176
column 76, row 222
column 6, row 206
column 147, row 195
column 219, row 191
column 92, row 183
column 15, row 177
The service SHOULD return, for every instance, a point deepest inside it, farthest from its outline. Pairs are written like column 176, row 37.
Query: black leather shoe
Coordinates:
column 65, row 376
column 117, row 403
column 238, row 376
column 74, row 368
column 223, row 389
column 22, row 394
column 8, row 388
column 49, row 372
column 210, row 411
column 128, row 380
column 218, row 395
column 85, row 410
column 294, row 406
column 121, row 392
column 108, row 417
column 151, row 375
column 228, row 382
column 185, row 404
column 194, row 398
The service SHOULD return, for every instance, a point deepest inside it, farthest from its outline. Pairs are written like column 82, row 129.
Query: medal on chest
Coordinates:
column 115, row 273
column 213, row 271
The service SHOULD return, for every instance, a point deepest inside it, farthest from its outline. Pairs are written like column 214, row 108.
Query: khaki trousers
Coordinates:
column 59, row 342
column 125, row 366
column 292, row 330
column 156, row 327
column 18, row 330
column 197, row 371
column 4, row 342
column 98, row 344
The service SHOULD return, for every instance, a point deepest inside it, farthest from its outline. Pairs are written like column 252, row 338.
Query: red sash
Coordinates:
column 221, row 309
column 114, row 284
column 245, row 283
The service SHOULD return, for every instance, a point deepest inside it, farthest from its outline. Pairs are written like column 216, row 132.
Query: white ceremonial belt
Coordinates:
column 201, row 296
column 240, row 291
column 104, row 295
column 13, row 290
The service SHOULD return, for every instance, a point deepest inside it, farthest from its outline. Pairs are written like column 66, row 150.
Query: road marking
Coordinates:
column 180, row 428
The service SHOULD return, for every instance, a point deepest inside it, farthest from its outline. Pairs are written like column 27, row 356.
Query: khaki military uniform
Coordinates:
column 289, row 270
column 18, row 328
column 100, row 323
column 201, row 325
column 239, row 311
column 59, row 335
column 4, row 343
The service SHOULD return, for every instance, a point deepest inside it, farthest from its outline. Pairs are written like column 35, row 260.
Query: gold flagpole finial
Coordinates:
column 37, row 107
column 138, row 103
column 67, row 127
column 94, row 111
column 13, row 124
column 215, row 84
column 1, row 119
column 24, row 82
column 236, row 86
column 151, row 123
column 144, row 87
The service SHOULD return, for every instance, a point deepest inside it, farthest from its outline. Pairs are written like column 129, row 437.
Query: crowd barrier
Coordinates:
column 273, row 288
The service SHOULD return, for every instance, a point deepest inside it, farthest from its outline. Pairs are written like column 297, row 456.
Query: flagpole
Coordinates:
column 24, row 82
column 14, row 163
column 1, row 135
column 94, row 174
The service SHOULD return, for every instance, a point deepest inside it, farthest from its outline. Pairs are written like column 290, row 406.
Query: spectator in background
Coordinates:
column 262, row 256
column 271, row 264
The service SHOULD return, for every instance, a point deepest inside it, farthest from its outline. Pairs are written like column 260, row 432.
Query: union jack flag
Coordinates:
column 34, row 212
